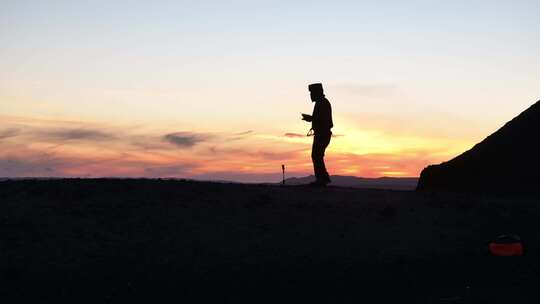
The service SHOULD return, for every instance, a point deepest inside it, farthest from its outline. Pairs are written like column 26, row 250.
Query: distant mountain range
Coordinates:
column 389, row 183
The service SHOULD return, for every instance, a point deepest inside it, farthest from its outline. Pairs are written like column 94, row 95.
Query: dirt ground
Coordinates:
column 111, row 241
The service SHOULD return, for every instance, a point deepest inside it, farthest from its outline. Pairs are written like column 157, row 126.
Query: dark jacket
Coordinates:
column 322, row 117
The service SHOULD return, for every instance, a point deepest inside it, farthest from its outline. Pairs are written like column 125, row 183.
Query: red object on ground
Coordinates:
column 506, row 249
column 506, row 245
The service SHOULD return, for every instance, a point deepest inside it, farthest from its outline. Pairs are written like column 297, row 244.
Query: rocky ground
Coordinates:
column 107, row 241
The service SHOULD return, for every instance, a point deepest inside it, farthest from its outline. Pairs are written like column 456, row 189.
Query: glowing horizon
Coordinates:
column 55, row 148
column 213, row 90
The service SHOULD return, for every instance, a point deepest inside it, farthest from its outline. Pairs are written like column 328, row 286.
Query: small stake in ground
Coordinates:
column 283, row 169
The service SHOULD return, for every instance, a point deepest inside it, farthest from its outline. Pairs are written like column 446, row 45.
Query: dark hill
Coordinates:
column 508, row 161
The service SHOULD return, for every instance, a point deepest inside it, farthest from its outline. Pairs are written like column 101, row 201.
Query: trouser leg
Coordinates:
column 320, row 142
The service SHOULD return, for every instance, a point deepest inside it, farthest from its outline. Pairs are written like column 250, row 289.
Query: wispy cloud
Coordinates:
column 11, row 132
column 294, row 135
column 16, row 167
column 243, row 133
column 240, row 135
column 186, row 139
column 76, row 134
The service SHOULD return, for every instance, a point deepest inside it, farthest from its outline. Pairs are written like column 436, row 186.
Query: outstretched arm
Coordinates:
column 307, row 117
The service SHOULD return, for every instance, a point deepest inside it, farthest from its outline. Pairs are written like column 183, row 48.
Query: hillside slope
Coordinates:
column 506, row 161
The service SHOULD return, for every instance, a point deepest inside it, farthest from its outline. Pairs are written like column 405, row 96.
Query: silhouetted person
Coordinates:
column 321, row 123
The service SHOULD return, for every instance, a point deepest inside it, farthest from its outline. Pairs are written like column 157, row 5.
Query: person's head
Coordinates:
column 316, row 91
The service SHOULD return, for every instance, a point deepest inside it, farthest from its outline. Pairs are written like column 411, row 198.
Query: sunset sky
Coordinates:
column 214, row 89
